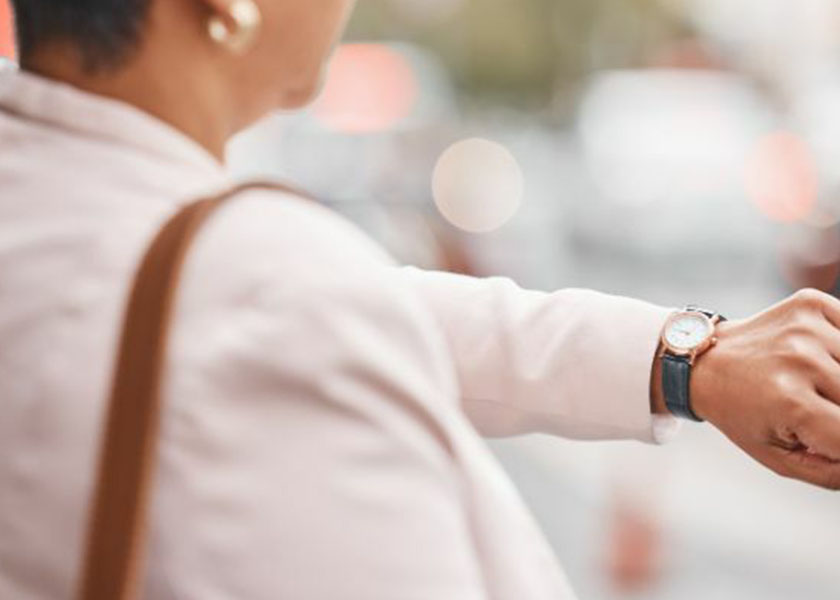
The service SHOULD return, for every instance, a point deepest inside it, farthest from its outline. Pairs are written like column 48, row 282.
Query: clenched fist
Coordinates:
column 772, row 386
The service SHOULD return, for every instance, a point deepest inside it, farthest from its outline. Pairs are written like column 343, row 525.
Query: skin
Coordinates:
column 772, row 385
column 201, row 88
column 772, row 382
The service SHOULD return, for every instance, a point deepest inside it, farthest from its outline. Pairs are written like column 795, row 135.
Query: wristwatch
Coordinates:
column 687, row 335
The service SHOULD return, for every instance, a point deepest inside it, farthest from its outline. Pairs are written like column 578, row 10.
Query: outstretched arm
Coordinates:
column 574, row 363
column 582, row 364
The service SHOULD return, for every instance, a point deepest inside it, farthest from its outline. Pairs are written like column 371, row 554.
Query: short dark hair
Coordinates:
column 104, row 31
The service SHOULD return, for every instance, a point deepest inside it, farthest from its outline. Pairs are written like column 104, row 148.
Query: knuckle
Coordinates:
column 785, row 386
column 800, row 347
column 796, row 344
column 809, row 299
column 802, row 322
column 796, row 358
column 811, row 365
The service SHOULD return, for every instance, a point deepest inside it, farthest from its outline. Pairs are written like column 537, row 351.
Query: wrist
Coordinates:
column 657, row 394
column 707, row 376
column 688, row 339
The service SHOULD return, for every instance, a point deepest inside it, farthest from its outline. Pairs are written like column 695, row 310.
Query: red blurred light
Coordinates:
column 7, row 43
column 781, row 178
column 371, row 88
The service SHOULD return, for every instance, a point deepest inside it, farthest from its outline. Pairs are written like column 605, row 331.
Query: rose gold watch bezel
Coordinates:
column 690, row 353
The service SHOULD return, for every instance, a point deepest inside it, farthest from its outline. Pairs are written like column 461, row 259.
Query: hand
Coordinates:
column 772, row 386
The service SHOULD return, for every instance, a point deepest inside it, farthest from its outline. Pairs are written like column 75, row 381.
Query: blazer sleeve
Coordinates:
column 573, row 363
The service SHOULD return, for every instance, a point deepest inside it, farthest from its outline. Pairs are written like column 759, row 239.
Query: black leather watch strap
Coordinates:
column 676, row 386
column 709, row 313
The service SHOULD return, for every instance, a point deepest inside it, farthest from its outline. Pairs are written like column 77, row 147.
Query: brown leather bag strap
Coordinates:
column 117, row 531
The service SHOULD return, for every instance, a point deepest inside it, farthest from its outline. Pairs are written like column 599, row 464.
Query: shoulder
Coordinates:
column 278, row 219
column 273, row 272
column 283, row 263
column 270, row 255
column 271, row 237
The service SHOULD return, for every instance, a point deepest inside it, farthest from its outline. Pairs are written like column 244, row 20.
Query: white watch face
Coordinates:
column 688, row 331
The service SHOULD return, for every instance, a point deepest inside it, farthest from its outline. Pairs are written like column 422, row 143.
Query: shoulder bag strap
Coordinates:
column 117, row 531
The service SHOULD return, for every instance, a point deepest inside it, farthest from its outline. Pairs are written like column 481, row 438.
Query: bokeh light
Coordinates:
column 672, row 135
column 781, row 177
column 370, row 89
column 478, row 185
column 7, row 44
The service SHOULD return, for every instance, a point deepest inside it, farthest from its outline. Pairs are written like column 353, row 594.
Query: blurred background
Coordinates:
column 680, row 151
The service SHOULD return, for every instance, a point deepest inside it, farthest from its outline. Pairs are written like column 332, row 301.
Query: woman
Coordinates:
column 322, row 404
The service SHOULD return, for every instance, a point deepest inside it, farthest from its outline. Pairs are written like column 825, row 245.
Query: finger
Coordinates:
column 829, row 338
column 807, row 467
column 827, row 377
column 830, row 307
column 817, row 426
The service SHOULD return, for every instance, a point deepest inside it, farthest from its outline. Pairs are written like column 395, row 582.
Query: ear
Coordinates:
column 234, row 24
column 225, row 9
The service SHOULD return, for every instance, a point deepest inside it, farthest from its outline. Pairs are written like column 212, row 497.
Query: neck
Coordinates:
column 190, row 98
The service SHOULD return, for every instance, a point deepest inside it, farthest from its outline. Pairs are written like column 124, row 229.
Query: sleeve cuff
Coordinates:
column 615, row 362
column 665, row 428
column 645, row 328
